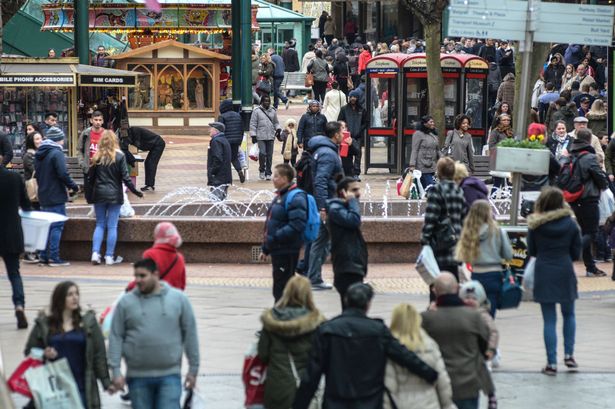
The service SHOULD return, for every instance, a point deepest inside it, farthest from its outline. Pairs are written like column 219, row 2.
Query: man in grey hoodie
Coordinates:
column 151, row 327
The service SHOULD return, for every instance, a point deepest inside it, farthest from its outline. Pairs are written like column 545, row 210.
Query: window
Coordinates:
column 382, row 106
column 474, row 101
column 200, row 87
column 170, row 88
column 141, row 96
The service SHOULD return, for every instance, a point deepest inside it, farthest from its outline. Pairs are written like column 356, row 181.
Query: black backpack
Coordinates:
column 570, row 180
column 305, row 172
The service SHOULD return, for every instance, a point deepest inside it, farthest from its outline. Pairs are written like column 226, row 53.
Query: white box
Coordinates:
column 35, row 226
column 525, row 161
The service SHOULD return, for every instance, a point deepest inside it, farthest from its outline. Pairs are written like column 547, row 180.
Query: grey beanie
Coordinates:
column 54, row 134
column 218, row 125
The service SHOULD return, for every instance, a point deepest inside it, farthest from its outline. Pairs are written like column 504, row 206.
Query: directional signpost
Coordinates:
column 488, row 19
column 593, row 25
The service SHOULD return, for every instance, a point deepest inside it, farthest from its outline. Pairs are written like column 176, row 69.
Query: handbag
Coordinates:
column 445, row 237
column 254, row 152
column 512, row 293
column 406, row 185
column 309, row 80
column 32, row 188
column 89, row 184
column 263, row 86
column 53, row 386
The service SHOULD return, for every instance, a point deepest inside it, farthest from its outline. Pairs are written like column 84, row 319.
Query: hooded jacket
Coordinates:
column 233, row 125
column 219, row 161
column 310, row 125
column 136, row 334
column 287, row 332
column 355, row 118
column 284, row 226
column 264, row 123
column 597, row 122
column 594, row 178
column 52, row 175
column 143, row 139
column 348, row 248
column 554, row 238
column 364, row 58
column 108, row 181
column 473, row 189
column 326, row 166
column 567, row 113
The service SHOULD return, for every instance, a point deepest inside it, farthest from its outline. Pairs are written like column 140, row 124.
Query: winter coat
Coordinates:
column 266, row 70
column 556, row 147
column 278, row 71
column 348, row 248
column 291, row 59
column 164, row 255
column 461, row 149
column 364, row 58
column 233, row 125
column 311, row 125
column 329, row 28
column 554, row 238
column 473, row 189
column 594, row 178
column 28, row 164
column 108, row 181
column 597, row 123
column 493, row 248
column 307, row 59
column 13, row 197
column 219, row 161
column 411, row 392
column 334, row 101
column 506, row 92
column 287, row 332
column 494, row 78
column 326, row 166
column 6, row 149
column 351, row 350
column 83, row 149
column 264, row 123
column 341, row 69
column 52, row 175
column 284, row 226
column 255, row 67
column 595, row 143
column 495, row 137
column 356, row 121
column 289, row 144
column 567, row 114
column 425, row 150
column 320, row 69
column 553, row 74
column 95, row 353
column 143, row 139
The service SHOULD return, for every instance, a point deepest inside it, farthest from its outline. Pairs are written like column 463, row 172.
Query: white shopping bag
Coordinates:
column 606, row 206
column 427, row 266
column 528, row 279
column 53, row 386
column 254, row 152
column 126, row 210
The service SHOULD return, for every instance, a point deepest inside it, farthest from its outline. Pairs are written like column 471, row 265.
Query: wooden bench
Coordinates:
column 294, row 81
column 72, row 165
column 481, row 167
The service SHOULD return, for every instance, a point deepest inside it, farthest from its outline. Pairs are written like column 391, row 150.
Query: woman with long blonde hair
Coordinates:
column 408, row 390
column 108, row 170
column 484, row 246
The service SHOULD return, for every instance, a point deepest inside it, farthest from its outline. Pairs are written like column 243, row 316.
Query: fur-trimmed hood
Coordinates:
column 291, row 321
column 538, row 219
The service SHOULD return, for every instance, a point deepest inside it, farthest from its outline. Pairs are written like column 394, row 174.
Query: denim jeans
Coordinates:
column 277, row 94
column 427, row 179
column 265, row 156
column 492, row 283
column 107, row 217
column 11, row 261
column 549, row 317
column 466, row 403
column 55, row 234
column 162, row 392
column 318, row 254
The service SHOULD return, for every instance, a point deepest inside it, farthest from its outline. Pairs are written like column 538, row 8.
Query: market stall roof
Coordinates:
column 269, row 12
column 171, row 43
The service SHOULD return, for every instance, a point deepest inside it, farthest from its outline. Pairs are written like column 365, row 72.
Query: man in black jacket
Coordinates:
column 145, row 140
column 6, row 150
column 233, row 132
column 219, row 173
column 290, row 57
column 312, row 123
column 356, row 122
column 352, row 350
column 586, row 208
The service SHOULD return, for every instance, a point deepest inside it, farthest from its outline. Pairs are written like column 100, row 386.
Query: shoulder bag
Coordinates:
column 89, row 184
column 163, row 275
column 445, row 237
column 447, row 150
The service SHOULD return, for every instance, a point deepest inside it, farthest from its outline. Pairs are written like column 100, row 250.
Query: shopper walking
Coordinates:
column 334, row 101
column 559, row 141
column 264, row 126
column 144, row 140
column 87, row 145
column 458, row 143
column 68, row 332
column 266, row 68
column 502, row 130
column 554, row 239
column 425, row 150
column 290, row 146
column 356, row 120
column 312, row 123
column 278, row 78
column 219, row 174
column 33, row 142
column 233, row 132
column 320, row 69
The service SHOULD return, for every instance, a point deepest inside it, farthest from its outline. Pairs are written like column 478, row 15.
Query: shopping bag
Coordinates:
column 17, row 382
column 406, row 185
column 512, row 293
column 606, row 205
column 193, row 399
column 254, row 152
column 427, row 266
column 253, row 375
column 528, row 278
column 126, row 210
column 53, row 386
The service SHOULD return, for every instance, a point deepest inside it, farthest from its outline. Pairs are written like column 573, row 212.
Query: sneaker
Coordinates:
column 268, row 177
column 147, row 188
column 549, row 370
column 58, row 263
column 321, row 286
column 597, row 273
column 242, row 176
column 95, row 259
column 287, row 103
column 43, row 262
column 125, row 397
column 22, row 322
column 31, row 258
column 261, row 176
column 570, row 362
column 109, row 260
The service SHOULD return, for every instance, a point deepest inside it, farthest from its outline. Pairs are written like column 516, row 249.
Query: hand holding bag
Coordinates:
column 254, row 152
column 406, row 186
column 253, row 375
column 528, row 278
column 89, row 184
column 32, row 188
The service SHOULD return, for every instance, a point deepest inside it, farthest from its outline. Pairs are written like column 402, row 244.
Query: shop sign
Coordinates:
column 41, row 80
column 107, row 80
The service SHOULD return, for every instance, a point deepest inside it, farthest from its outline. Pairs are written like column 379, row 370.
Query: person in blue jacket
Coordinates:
column 233, row 131
column 284, row 227
column 219, row 174
column 278, row 78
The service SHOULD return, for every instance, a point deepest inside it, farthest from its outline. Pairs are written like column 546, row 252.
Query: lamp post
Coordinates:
column 82, row 31
column 246, row 60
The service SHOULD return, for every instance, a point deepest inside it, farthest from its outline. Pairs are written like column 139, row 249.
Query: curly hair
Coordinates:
column 469, row 243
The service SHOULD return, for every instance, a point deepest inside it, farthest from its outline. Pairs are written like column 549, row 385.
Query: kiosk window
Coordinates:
column 416, row 100
column 141, row 96
column 200, row 87
column 382, row 104
column 450, row 101
column 474, row 101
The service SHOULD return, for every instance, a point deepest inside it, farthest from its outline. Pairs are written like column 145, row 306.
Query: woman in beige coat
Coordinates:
column 408, row 390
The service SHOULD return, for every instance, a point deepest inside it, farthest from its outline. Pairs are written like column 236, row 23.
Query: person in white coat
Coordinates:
column 334, row 101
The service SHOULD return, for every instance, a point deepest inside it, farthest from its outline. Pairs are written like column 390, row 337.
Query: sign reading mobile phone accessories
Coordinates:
column 29, row 80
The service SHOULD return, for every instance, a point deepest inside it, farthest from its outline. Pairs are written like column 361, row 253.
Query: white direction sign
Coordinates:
column 574, row 23
column 488, row 19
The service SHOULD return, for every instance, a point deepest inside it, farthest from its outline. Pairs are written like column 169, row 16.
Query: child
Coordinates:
column 474, row 295
column 288, row 137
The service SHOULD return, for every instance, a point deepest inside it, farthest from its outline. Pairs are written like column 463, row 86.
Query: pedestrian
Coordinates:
column 554, row 72
column 290, row 147
column 284, row 226
column 152, row 325
column 407, row 390
column 32, row 143
column 87, row 145
column 53, row 180
column 6, row 149
column 597, row 117
column 264, row 127
column 564, row 111
column 110, row 174
column 341, row 72
column 425, row 150
column 13, row 197
column 505, row 58
column 320, row 70
column 458, row 143
column 68, row 332
column 567, row 77
column 256, row 99
column 483, row 244
column 51, row 119
column 446, row 208
column 266, row 69
column 473, row 188
column 326, row 166
column 334, row 101
column 586, row 206
column 364, row 58
column 550, row 95
column 348, row 248
column 278, row 78
column 506, row 91
column 144, row 140
column 580, row 123
column 343, row 350
column 321, row 24
column 329, row 30
column 559, row 141
column 312, row 123
column 233, row 132
column 463, row 354
column 290, row 57
column 356, row 121
column 503, row 108
column 307, row 58
column 554, row 239
column 584, row 106
column 502, row 130
column 219, row 173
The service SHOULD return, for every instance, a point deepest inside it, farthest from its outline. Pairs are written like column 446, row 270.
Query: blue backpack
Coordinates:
column 312, row 225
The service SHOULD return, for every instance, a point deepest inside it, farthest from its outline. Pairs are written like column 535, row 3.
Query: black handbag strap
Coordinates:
column 390, row 396
column 170, row 267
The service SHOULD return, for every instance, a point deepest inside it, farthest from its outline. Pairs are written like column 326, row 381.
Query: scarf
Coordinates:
column 290, row 145
column 562, row 144
column 505, row 130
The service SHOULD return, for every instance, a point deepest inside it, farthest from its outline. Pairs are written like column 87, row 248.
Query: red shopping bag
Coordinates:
column 17, row 382
column 253, row 376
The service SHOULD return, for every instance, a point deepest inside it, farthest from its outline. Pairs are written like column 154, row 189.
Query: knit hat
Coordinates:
column 314, row 102
column 355, row 93
column 536, row 131
column 166, row 233
column 54, row 134
column 218, row 125
column 474, row 290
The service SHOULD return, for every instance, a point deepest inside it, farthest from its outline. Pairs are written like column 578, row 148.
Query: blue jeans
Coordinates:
column 107, row 217
column 277, row 94
column 427, row 179
column 492, row 283
column 549, row 317
column 466, row 403
column 52, row 252
column 162, row 392
column 11, row 261
column 318, row 254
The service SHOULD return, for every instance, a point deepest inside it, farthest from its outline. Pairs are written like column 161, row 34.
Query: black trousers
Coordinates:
column 151, row 163
column 283, row 269
column 343, row 281
column 235, row 156
column 265, row 156
column 588, row 217
column 319, row 88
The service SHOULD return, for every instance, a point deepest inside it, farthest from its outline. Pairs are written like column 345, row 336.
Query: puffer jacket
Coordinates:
column 311, row 125
column 425, row 150
column 285, row 331
column 264, row 123
column 284, row 227
column 51, row 174
column 594, row 177
column 219, row 162
column 232, row 122
column 326, row 166
column 28, row 164
column 411, row 392
column 348, row 248
column 108, row 186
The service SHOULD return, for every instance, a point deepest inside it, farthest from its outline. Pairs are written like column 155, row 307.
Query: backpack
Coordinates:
column 305, row 169
column 570, row 179
column 312, row 226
